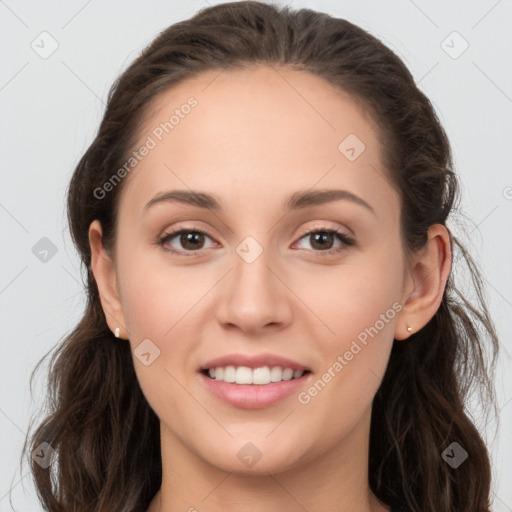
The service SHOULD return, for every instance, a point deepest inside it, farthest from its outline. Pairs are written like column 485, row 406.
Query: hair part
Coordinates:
column 97, row 419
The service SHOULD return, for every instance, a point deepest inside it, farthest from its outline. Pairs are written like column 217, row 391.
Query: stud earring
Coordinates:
column 117, row 332
column 409, row 328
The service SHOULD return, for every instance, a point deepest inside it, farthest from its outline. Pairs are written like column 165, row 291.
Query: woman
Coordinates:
column 271, row 320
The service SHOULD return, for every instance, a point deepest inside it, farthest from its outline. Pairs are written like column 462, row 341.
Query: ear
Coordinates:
column 103, row 270
column 425, row 282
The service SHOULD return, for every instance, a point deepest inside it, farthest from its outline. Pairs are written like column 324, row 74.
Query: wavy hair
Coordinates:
column 105, row 435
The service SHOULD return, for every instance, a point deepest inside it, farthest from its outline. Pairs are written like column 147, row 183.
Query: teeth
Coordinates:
column 245, row 375
column 260, row 376
column 229, row 374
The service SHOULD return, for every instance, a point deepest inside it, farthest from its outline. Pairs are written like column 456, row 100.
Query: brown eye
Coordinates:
column 190, row 240
column 322, row 240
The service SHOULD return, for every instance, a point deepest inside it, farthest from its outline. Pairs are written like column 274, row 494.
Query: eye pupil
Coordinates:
column 322, row 236
column 191, row 236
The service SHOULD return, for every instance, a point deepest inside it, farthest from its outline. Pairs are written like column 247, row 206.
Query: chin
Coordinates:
column 253, row 458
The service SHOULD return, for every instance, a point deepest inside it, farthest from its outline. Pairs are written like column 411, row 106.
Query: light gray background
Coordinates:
column 52, row 107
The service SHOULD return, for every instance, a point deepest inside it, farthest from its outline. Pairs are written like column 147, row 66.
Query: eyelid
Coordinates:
column 169, row 235
column 346, row 239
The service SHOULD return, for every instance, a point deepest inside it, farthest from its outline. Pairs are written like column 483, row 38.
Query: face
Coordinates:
column 319, row 282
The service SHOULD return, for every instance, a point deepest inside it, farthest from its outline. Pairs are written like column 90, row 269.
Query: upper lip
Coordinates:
column 253, row 361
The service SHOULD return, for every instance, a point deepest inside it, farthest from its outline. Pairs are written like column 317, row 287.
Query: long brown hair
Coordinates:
column 105, row 435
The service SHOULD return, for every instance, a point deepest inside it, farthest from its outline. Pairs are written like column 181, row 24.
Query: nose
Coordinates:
column 254, row 297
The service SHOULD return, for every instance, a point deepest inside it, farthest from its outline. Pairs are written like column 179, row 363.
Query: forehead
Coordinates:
column 260, row 93
column 234, row 130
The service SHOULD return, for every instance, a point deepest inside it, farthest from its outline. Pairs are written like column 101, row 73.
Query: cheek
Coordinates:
column 160, row 303
column 155, row 296
column 358, row 307
column 347, row 298
column 154, row 312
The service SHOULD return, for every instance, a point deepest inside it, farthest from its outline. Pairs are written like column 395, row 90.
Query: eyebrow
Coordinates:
column 298, row 200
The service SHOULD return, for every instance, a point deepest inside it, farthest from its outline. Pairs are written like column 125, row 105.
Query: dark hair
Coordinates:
column 106, row 436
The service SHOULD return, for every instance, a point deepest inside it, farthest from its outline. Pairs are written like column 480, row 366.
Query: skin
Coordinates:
column 255, row 137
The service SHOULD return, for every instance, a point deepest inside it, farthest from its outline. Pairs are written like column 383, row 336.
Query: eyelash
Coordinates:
column 343, row 237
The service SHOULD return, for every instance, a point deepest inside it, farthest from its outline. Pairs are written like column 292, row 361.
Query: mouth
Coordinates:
column 253, row 388
column 253, row 381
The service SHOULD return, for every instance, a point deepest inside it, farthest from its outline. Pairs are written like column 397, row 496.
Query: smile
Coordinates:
column 250, row 395
column 259, row 376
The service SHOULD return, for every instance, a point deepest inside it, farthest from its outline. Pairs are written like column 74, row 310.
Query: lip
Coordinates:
column 253, row 396
column 255, row 361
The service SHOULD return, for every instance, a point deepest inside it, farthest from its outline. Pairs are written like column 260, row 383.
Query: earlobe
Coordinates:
column 103, row 270
column 426, row 282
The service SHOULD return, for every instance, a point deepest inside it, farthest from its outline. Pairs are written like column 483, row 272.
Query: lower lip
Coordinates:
column 253, row 396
